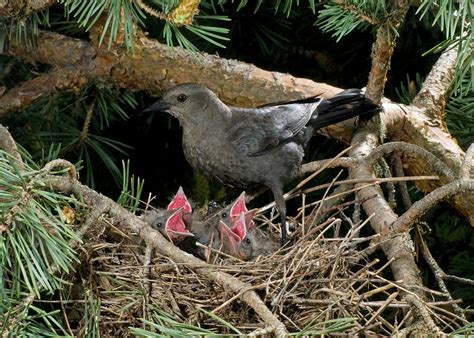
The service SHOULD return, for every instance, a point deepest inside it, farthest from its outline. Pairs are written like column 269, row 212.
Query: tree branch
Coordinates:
column 435, row 91
column 419, row 208
column 432, row 161
column 41, row 86
column 22, row 8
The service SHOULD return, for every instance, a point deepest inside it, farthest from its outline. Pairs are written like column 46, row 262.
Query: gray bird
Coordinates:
column 254, row 146
column 169, row 222
column 241, row 241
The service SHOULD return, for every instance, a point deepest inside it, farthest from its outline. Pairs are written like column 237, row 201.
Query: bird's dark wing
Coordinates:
column 256, row 131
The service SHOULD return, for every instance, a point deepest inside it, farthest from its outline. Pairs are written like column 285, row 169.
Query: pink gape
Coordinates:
column 240, row 207
column 235, row 240
column 180, row 201
column 175, row 227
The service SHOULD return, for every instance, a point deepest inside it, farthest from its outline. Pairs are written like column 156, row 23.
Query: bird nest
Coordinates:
column 323, row 283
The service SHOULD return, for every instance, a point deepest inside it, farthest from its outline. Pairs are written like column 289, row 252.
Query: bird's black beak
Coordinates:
column 158, row 106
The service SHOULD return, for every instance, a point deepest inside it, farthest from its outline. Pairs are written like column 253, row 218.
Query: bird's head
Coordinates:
column 190, row 103
column 176, row 228
column 237, row 241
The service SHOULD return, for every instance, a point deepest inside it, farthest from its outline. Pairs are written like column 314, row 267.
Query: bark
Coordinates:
column 22, row 8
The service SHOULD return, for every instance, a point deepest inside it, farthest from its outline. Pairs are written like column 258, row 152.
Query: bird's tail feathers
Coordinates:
column 343, row 106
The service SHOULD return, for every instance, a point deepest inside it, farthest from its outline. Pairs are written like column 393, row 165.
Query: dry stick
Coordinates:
column 63, row 309
column 465, row 172
column 402, row 179
column 373, row 181
column 326, row 164
column 315, row 167
column 377, row 313
column 458, row 279
column 325, row 194
column 295, row 269
column 439, row 275
column 158, row 242
column 333, row 201
column 343, row 193
column 399, row 172
column 339, row 207
column 420, row 207
column 434, row 162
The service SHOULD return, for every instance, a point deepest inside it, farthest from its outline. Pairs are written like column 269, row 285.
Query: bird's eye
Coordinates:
column 224, row 215
column 247, row 240
column 159, row 225
column 181, row 98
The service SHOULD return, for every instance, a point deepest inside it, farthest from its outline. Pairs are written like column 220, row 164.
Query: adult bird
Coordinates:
column 250, row 146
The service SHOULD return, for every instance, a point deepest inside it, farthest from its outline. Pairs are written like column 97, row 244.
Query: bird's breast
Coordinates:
column 217, row 159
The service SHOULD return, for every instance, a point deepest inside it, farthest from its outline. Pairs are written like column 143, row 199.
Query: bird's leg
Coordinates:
column 281, row 207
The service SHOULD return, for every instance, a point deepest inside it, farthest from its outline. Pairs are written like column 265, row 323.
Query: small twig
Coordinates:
column 326, row 164
column 458, row 279
column 420, row 207
column 357, row 12
column 465, row 172
column 399, row 172
column 87, row 122
column 372, row 181
column 433, row 162
column 377, row 313
column 50, row 166
column 439, row 275
column 63, row 309
column 150, row 10
column 146, row 283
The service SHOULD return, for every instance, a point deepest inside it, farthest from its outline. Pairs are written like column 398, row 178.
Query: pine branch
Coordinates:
column 345, row 5
column 44, row 85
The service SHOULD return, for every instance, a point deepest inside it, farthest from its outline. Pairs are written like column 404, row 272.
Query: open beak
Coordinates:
column 175, row 227
column 249, row 215
column 239, row 206
column 158, row 106
column 229, row 239
column 240, row 228
column 180, row 201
